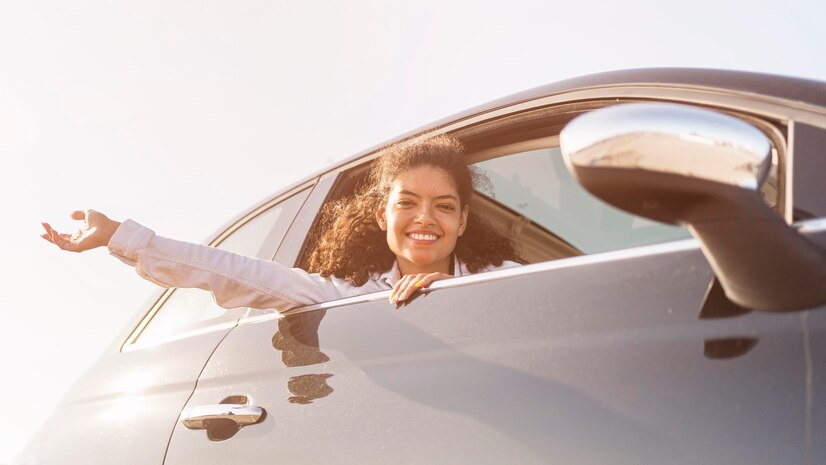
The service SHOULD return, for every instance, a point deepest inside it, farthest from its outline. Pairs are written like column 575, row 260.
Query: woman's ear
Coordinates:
column 463, row 220
column 380, row 219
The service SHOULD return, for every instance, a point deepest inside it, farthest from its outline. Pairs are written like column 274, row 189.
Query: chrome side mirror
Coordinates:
column 686, row 165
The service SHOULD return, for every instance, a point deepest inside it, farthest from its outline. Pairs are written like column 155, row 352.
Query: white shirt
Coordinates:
column 236, row 280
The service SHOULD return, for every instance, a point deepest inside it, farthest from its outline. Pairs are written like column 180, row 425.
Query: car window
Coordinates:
column 536, row 186
column 190, row 310
column 532, row 196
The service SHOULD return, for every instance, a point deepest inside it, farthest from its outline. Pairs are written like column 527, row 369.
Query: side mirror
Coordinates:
column 686, row 165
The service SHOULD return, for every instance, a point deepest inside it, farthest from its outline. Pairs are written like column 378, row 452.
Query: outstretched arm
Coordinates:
column 96, row 231
column 233, row 280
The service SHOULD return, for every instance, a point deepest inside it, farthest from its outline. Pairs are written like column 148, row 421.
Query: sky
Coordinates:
column 182, row 113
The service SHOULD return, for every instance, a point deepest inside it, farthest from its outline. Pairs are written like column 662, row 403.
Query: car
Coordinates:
column 669, row 308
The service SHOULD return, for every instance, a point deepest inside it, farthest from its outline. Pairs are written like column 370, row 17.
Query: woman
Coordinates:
column 410, row 224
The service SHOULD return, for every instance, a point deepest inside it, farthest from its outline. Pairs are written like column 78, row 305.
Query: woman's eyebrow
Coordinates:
column 444, row 196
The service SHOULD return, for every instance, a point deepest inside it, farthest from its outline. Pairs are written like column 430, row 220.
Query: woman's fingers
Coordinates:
column 409, row 284
column 63, row 241
column 78, row 215
column 428, row 279
column 49, row 231
column 47, row 235
column 399, row 289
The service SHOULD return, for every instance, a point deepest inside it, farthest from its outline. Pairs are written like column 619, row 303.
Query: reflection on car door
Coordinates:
column 598, row 359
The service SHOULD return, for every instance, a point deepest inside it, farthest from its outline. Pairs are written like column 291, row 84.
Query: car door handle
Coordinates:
column 240, row 414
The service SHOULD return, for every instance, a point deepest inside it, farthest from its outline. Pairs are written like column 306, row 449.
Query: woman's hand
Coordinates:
column 95, row 231
column 409, row 284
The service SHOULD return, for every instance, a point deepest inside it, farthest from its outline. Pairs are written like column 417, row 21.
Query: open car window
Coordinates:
column 533, row 198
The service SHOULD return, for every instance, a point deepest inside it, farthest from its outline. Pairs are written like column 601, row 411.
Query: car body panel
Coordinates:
column 123, row 410
column 571, row 374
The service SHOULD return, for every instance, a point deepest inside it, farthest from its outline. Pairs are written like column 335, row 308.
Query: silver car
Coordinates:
column 623, row 339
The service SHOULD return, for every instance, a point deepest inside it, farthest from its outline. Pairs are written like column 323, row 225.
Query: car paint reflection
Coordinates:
column 297, row 340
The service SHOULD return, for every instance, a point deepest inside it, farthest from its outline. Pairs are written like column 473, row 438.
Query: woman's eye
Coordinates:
column 446, row 207
column 404, row 203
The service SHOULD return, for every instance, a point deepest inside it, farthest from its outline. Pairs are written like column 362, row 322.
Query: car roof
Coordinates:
column 805, row 91
column 785, row 87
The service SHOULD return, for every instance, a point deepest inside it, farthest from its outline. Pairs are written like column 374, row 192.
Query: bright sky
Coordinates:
column 182, row 113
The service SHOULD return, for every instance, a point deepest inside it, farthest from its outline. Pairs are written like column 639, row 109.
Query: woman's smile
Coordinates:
column 424, row 237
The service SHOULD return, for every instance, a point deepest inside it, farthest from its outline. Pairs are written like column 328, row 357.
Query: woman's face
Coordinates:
column 423, row 218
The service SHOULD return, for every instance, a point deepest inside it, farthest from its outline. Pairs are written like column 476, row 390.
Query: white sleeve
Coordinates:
column 234, row 280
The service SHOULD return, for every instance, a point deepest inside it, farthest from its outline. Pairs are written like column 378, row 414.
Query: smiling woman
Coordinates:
column 410, row 224
column 412, row 215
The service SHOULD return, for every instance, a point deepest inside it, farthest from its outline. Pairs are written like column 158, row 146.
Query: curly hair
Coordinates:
column 350, row 244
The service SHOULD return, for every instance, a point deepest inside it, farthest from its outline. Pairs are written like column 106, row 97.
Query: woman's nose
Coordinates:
column 424, row 216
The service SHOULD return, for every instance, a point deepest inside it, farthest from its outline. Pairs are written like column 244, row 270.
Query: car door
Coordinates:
column 614, row 345
column 123, row 410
